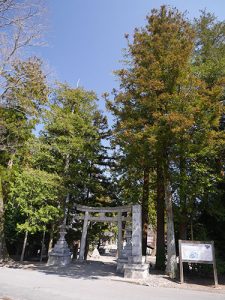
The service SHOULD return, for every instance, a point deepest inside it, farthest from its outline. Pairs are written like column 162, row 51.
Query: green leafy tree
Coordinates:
column 208, row 171
column 34, row 194
column 21, row 105
column 198, row 169
column 70, row 145
column 21, row 27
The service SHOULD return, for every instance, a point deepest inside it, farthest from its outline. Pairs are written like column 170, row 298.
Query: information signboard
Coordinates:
column 197, row 252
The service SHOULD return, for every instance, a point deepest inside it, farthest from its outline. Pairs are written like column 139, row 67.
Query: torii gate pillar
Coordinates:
column 136, row 267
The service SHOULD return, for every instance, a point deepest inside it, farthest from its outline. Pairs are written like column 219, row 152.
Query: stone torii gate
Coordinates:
column 131, row 263
column 101, row 214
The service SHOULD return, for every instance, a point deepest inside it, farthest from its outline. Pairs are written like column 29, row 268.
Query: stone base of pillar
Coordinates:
column 136, row 271
column 121, row 262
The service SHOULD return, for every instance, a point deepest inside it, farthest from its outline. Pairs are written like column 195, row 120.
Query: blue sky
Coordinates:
column 86, row 37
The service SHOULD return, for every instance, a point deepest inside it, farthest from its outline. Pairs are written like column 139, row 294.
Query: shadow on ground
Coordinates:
column 86, row 270
column 90, row 269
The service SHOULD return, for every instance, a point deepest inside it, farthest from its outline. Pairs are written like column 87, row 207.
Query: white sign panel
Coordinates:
column 196, row 252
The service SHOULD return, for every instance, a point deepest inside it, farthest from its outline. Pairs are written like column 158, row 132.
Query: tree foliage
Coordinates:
column 168, row 114
column 34, row 194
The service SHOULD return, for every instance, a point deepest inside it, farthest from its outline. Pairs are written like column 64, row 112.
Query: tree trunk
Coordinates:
column 160, row 240
column 171, row 266
column 3, row 250
column 192, row 232
column 50, row 244
column 67, row 199
column 145, row 210
column 183, row 229
column 66, row 208
column 1, row 221
column 24, row 246
column 86, row 248
column 42, row 246
column 183, row 220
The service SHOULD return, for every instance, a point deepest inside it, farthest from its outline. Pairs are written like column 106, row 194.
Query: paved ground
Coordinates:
column 92, row 281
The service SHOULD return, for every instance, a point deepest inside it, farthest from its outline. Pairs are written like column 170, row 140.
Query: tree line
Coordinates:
column 166, row 143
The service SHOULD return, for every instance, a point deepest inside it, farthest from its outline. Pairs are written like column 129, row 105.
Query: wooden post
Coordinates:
column 181, row 264
column 119, row 243
column 84, row 236
column 214, row 265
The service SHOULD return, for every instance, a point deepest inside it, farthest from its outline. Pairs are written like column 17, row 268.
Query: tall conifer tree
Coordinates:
column 146, row 107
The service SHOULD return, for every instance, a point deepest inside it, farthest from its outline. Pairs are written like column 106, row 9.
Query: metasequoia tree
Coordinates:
column 146, row 107
column 168, row 113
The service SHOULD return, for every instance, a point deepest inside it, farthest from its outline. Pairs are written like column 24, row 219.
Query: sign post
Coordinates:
column 197, row 252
